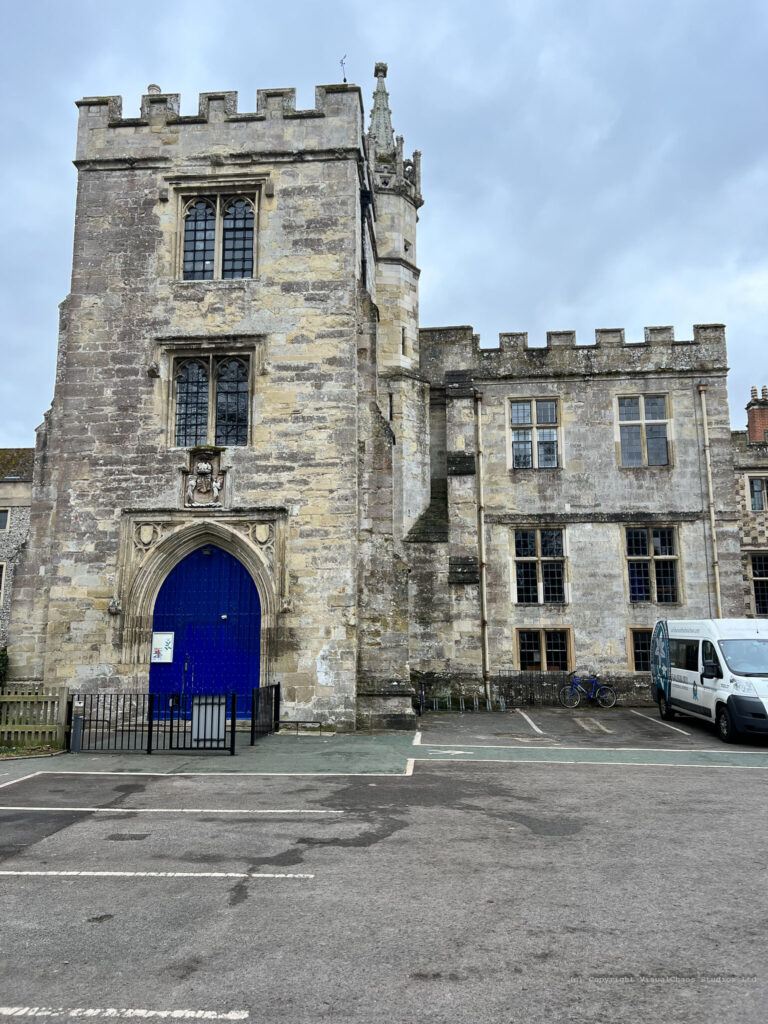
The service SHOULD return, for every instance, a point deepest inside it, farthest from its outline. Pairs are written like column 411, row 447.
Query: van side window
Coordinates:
column 684, row 654
column 708, row 653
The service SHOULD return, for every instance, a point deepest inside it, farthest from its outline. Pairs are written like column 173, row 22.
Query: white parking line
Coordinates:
column 94, row 1013
column 599, row 725
column 658, row 721
column 23, row 778
column 169, row 810
column 530, row 722
column 149, row 874
column 583, row 724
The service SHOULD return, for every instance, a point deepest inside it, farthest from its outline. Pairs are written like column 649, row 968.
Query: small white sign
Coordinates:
column 162, row 647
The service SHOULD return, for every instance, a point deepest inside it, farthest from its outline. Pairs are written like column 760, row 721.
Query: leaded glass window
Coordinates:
column 652, row 565
column 539, row 567
column 545, row 650
column 643, row 430
column 759, row 564
column 533, row 433
column 192, row 389
column 219, row 237
column 237, row 252
column 212, row 400
column 200, row 240
column 757, row 490
column 232, row 402
column 641, row 650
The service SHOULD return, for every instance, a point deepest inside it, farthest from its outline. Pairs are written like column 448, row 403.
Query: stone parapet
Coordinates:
column 335, row 122
column 446, row 350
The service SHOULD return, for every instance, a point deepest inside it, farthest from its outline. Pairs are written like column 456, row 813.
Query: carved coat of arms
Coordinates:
column 203, row 482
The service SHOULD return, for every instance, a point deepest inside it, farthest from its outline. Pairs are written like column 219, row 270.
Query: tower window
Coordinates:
column 219, row 237
column 211, row 395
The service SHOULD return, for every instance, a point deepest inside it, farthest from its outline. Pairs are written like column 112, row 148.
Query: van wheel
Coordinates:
column 725, row 727
column 665, row 711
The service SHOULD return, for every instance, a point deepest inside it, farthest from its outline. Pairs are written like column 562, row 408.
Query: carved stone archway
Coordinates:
column 139, row 601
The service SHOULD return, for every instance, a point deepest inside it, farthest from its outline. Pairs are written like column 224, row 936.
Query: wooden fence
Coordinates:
column 33, row 715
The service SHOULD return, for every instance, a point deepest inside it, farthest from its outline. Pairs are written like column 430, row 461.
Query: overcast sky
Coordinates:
column 586, row 163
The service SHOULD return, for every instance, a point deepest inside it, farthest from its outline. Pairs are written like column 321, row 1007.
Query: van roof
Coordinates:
column 722, row 629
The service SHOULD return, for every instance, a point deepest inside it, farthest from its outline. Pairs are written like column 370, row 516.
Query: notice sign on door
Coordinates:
column 162, row 648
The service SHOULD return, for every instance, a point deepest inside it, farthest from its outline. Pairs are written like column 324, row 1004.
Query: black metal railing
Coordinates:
column 149, row 722
column 510, row 689
column 265, row 711
column 522, row 688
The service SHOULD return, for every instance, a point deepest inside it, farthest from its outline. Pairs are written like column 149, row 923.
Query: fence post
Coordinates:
column 61, row 717
column 254, row 714
column 234, row 719
column 276, row 707
column 150, row 720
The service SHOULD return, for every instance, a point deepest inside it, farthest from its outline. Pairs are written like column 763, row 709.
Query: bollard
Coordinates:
column 76, row 736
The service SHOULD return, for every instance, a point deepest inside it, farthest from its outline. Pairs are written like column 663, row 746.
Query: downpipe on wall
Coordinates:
column 481, row 543
column 711, row 498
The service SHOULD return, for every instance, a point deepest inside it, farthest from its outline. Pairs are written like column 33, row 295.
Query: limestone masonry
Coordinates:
column 247, row 416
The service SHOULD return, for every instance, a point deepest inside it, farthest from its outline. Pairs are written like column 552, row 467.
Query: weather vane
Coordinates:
column 343, row 69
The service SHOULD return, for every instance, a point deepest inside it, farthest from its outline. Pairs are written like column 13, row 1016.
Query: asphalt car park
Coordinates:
column 428, row 881
column 590, row 726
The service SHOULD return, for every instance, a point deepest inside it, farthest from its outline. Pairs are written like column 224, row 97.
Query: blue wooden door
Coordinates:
column 211, row 605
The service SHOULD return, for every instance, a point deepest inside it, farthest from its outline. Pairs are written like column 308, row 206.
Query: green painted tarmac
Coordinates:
column 368, row 754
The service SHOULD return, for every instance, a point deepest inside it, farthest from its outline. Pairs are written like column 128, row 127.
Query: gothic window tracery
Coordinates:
column 200, row 240
column 211, row 400
column 191, row 403
column 231, row 402
column 219, row 237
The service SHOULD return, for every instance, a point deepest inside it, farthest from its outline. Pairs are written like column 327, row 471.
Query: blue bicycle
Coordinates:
column 570, row 694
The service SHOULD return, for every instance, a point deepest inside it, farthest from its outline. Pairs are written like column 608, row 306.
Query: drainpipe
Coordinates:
column 710, row 494
column 481, row 543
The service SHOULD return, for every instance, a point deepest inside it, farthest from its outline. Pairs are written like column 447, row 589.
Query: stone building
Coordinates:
column 215, row 463
column 751, row 468
column 255, row 454
column 604, row 468
column 15, row 499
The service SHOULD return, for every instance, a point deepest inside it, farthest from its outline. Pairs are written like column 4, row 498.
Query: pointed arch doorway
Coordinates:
column 211, row 605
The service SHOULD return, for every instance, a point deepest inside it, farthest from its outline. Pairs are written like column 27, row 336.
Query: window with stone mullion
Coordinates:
column 651, row 565
column 192, row 388
column 200, row 240
column 760, row 583
column 232, row 403
column 237, row 240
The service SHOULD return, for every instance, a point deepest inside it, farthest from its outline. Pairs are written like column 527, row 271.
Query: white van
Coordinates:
column 713, row 669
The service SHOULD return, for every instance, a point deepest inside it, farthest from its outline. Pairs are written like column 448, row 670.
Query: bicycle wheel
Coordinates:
column 569, row 697
column 606, row 697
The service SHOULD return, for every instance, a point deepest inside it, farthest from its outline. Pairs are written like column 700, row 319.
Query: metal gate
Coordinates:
column 150, row 722
column 265, row 711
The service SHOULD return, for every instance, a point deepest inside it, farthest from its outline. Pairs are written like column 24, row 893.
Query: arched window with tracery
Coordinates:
column 200, row 240
column 192, row 403
column 231, row 402
column 237, row 239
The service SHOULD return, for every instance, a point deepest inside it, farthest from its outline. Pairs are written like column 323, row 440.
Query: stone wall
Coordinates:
column 590, row 497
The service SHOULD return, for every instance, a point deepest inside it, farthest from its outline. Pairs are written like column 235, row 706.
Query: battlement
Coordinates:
column 452, row 348
column 101, row 120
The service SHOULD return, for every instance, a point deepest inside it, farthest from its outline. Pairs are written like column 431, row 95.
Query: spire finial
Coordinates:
column 381, row 117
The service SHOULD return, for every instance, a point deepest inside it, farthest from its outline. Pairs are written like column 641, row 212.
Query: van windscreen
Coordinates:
column 746, row 657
